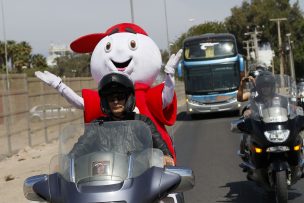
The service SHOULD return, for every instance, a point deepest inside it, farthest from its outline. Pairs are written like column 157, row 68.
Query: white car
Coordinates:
column 49, row 111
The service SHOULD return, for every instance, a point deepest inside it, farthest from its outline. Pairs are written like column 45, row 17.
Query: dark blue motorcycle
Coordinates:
column 121, row 166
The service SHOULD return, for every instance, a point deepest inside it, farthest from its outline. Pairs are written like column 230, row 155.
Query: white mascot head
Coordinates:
column 124, row 48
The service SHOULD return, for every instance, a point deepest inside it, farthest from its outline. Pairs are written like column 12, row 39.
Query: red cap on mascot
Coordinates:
column 87, row 43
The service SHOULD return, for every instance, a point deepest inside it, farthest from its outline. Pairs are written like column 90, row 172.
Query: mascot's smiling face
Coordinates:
column 134, row 54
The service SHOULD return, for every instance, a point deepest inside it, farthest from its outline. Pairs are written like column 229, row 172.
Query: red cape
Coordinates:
column 149, row 103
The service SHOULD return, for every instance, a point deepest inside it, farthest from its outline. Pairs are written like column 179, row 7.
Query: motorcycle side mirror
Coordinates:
column 239, row 126
column 234, row 126
column 29, row 187
column 187, row 178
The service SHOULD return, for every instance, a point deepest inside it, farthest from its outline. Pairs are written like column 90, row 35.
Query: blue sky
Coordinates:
column 41, row 22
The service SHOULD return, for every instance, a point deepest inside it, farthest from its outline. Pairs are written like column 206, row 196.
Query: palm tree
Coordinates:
column 2, row 54
column 11, row 45
column 21, row 56
column 38, row 61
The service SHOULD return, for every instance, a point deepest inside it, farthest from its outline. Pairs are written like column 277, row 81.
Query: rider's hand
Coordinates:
column 168, row 161
column 172, row 62
column 243, row 81
column 251, row 79
column 247, row 113
column 49, row 78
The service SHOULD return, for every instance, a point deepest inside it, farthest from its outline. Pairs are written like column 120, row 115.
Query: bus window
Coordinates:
column 187, row 50
column 209, row 52
column 196, row 52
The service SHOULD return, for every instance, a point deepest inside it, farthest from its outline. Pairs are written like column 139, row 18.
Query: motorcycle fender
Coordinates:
column 279, row 166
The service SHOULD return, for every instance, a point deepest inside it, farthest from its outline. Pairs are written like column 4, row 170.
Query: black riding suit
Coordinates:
column 86, row 141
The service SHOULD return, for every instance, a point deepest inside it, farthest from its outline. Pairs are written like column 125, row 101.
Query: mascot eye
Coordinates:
column 133, row 45
column 108, row 47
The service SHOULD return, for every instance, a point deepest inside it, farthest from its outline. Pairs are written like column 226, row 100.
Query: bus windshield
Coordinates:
column 212, row 78
column 206, row 49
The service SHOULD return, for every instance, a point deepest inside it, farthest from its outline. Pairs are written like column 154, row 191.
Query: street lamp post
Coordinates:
column 291, row 62
column 132, row 11
column 5, row 46
column 167, row 29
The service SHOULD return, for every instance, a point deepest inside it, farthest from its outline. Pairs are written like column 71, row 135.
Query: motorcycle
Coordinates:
column 272, row 155
column 300, row 94
column 120, row 166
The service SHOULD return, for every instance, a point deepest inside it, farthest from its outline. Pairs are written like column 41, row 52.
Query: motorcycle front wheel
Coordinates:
column 281, row 190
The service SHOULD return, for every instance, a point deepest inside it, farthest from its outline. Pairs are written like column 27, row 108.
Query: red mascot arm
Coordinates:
column 154, row 101
column 91, row 110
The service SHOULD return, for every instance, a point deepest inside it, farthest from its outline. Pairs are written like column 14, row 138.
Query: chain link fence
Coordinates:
column 32, row 113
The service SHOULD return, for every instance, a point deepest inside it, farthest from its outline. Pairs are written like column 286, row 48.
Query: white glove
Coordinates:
column 49, row 78
column 168, row 91
column 172, row 62
column 56, row 82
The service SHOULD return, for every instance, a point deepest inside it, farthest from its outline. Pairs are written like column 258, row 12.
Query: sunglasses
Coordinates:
column 116, row 97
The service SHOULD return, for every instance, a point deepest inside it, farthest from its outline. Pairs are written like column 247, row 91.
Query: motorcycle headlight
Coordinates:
column 277, row 136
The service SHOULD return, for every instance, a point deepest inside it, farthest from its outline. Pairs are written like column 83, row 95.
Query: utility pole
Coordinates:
column 132, row 11
column 278, row 20
column 291, row 62
column 254, row 37
column 247, row 47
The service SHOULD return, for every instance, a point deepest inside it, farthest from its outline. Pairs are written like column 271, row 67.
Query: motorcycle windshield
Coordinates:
column 300, row 89
column 105, row 153
column 273, row 101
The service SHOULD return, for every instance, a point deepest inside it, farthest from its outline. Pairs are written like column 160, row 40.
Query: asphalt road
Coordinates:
column 207, row 146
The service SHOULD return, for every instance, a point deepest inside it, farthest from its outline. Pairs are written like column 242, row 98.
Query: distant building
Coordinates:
column 55, row 51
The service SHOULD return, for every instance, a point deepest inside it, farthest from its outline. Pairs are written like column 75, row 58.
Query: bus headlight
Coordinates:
column 277, row 136
column 232, row 100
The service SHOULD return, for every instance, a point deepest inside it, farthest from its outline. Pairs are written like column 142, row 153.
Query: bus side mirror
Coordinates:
column 242, row 63
column 180, row 69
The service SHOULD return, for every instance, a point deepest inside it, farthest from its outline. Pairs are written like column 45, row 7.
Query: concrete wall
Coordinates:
column 18, row 129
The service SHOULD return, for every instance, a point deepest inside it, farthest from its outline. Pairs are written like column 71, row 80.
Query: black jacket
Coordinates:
column 84, row 143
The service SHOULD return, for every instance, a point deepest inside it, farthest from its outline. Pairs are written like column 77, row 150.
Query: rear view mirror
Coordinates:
column 239, row 126
column 187, row 178
column 234, row 126
column 28, row 189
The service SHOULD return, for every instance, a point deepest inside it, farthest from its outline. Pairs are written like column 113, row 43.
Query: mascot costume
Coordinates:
column 128, row 49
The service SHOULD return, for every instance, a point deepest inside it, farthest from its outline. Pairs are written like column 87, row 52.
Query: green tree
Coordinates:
column 10, row 45
column 259, row 13
column 164, row 56
column 18, row 55
column 22, row 56
column 38, row 61
column 11, row 51
column 74, row 65
column 2, row 54
column 209, row 27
